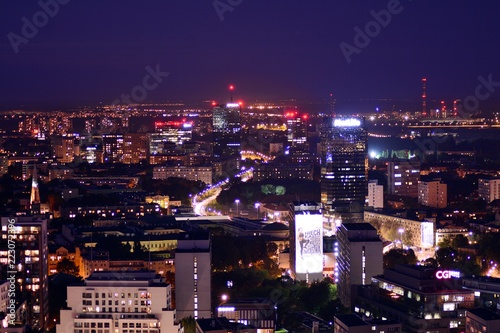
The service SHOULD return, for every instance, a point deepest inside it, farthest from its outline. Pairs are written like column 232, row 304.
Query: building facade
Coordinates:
column 194, row 173
column 375, row 196
column 489, row 189
column 226, row 130
column 193, row 276
column 344, row 165
column 31, row 264
column 119, row 302
column 403, row 177
column 433, row 194
column 359, row 257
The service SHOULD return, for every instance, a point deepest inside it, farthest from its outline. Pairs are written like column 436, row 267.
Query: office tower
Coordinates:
column 344, row 167
column 360, row 257
column 296, row 128
column 375, row 196
column 193, row 276
column 306, row 242
column 226, row 130
column 424, row 97
column 176, row 131
column 403, row 177
column 29, row 234
column 489, row 189
column 433, row 194
column 119, row 302
column 112, row 146
column 135, row 147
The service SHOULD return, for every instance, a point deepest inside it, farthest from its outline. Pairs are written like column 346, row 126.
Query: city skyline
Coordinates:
column 80, row 54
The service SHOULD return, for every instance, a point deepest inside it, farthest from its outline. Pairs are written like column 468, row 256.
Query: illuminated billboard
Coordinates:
column 308, row 243
column 348, row 122
column 427, row 229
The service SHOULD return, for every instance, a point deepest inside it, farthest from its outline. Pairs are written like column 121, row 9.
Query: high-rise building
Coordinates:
column 119, row 302
column 193, row 265
column 226, row 130
column 489, row 189
column 433, row 194
column 344, row 167
column 29, row 234
column 360, row 257
column 112, row 146
column 296, row 128
column 403, row 177
column 306, row 241
column 35, row 192
column 135, row 147
column 4, row 164
column 65, row 148
column 375, row 196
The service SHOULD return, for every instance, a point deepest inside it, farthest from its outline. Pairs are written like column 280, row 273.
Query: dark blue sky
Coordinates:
column 93, row 51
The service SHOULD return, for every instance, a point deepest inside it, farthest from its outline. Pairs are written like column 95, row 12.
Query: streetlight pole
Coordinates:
column 257, row 206
column 237, row 207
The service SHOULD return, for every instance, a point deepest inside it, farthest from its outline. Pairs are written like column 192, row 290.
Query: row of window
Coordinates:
column 117, row 295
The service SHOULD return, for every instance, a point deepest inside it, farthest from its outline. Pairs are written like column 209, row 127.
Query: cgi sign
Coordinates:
column 443, row 275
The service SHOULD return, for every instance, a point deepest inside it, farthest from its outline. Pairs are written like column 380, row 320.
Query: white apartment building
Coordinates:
column 375, row 196
column 119, row 302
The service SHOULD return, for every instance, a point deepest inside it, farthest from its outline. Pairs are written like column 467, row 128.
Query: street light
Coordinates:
column 401, row 230
column 237, row 207
column 257, row 205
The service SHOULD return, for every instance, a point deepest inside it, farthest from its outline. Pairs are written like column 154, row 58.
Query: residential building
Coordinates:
column 135, row 148
column 403, row 177
column 433, row 194
column 31, row 264
column 375, row 196
column 489, row 189
column 193, row 271
column 257, row 313
column 359, row 257
column 195, row 173
column 117, row 302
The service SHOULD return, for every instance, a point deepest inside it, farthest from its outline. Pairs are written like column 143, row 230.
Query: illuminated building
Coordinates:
column 283, row 171
column 112, row 146
column 423, row 299
column 65, row 149
column 433, row 194
column 193, row 267
column 359, row 258
column 257, row 313
column 416, row 233
column 35, row 192
column 178, row 131
column 296, row 128
column 344, row 167
column 489, row 189
column 31, row 265
column 226, row 130
column 4, row 164
column 115, row 302
column 352, row 323
column 375, row 196
column 306, row 242
column 135, row 147
column 194, row 173
column 403, row 177
column 482, row 321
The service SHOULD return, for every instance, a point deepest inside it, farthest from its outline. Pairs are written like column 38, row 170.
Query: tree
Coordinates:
column 280, row 190
column 460, row 241
column 399, row 256
column 67, row 266
column 189, row 324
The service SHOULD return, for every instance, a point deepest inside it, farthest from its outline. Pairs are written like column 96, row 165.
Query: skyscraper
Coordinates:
column 30, row 264
column 226, row 130
column 344, row 168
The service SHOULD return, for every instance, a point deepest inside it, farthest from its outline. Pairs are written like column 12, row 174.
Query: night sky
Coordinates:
column 93, row 51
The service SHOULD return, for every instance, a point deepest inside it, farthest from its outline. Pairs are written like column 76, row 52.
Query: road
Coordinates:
column 200, row 207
